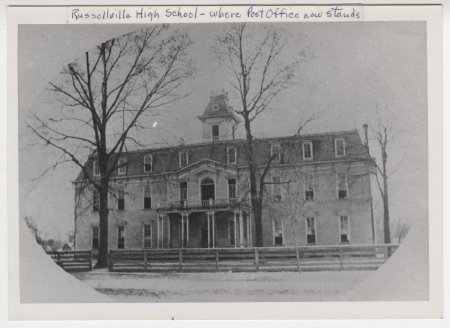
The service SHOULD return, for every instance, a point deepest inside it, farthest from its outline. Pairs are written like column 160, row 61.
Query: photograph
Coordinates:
column 225, row 162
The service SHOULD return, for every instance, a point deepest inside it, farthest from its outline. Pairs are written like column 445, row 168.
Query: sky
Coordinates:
column 349, row 72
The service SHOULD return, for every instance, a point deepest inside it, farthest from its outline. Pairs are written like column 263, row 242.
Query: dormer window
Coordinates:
column 339, row 147
column 122, row 166
column 215, row 133
column 307, row 150
column 215, row 107
column 148, row 163
column 183, row 159
column 275, row 153
column 95, row 169
column 231, row 155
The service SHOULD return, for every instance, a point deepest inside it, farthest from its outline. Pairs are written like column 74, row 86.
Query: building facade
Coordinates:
column 317, row 191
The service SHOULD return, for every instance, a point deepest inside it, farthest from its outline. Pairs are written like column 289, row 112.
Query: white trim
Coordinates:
column 348, row 228
column 306, row 229
column 337, row 184
column 228, row 154
column 276, row 160
column 150, row 156
column 122, row 166
column 336, row 148
column 310, row 143
column 151, row 235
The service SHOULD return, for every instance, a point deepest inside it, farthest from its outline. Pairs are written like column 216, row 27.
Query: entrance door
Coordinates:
column 207, row 190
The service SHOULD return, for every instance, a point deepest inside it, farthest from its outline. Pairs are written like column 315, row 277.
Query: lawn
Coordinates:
column 222, row 287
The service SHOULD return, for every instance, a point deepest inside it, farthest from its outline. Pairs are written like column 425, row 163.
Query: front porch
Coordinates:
column 204, row 224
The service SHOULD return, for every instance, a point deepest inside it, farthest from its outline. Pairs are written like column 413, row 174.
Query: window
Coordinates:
column 122, row 166
column 341, row 181
column 275, row 153
column 231, row 155
column 147, row 235
column 183, row 191
column 215, row 132
column 95, row 168
column 231, row 188
column 276, row 188
column 309, row 186
column 121, row 237
column 307, row 150
column 148, row 163
column 148, row 196
column 215, row 107
column 183, row 159
column 95, row 237
column 95, row 201
column 339, row 147
column 277, row 230
column 310, row 230
column 120, row 198
column 344, row 229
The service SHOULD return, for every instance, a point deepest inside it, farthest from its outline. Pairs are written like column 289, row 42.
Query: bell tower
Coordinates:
column 218, row 119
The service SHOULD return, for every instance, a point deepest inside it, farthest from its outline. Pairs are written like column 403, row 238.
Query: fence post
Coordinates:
column 180, row 260
column 217, row 259
column 256, row 260
column 341, row 259
column 298, row 259
column 110, row 262
column 145, row 260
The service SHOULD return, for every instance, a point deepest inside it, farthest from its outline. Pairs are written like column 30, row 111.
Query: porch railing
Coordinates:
column 302, row 258
column 202, row 204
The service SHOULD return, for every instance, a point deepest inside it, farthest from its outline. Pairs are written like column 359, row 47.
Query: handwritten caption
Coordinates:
column 207, row 13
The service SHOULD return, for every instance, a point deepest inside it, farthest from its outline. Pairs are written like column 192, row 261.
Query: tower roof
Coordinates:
column 218, row 107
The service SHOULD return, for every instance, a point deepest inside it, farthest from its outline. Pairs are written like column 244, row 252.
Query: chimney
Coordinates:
column 366, row 136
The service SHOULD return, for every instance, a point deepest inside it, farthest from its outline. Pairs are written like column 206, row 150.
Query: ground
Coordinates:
column 222, row 287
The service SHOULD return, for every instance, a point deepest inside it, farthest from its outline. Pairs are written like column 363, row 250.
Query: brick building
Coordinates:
column 317, row 191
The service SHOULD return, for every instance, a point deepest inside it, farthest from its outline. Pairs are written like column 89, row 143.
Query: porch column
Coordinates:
column 241, row 229
column 182, row 230
column 157, row 231
column 187, row 229
column 250, row 217
column 248, row 230
column 235, row 229
column 209, row 230
column 168, row 230
column 162, row 231
column 213, row 229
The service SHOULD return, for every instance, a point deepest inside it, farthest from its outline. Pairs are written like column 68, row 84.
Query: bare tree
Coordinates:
column 258, row 75
column 104, row 98
column 382, row 136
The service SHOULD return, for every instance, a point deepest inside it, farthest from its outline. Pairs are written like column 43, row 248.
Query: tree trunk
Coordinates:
column 386, row 221
column 102, row 261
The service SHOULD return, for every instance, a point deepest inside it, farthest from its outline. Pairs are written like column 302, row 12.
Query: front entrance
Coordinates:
column 207, row 190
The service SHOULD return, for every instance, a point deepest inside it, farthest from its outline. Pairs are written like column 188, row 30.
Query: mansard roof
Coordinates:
column 166, row 160
column 218, row 107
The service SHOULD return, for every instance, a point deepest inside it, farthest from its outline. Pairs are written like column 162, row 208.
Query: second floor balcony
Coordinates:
column 210, row 204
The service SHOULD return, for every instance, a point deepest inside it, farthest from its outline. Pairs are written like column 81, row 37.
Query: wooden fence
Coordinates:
column 303, row 258
column 73, row 261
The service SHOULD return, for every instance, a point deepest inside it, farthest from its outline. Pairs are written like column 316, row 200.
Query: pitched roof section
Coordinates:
column 166, row 160
column 218, row 107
